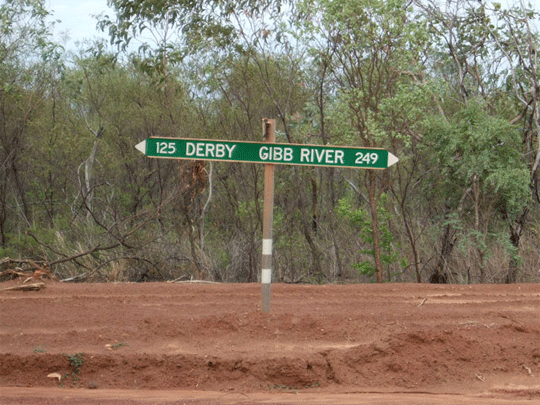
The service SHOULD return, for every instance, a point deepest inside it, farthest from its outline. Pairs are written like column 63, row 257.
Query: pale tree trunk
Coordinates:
column 87, row 187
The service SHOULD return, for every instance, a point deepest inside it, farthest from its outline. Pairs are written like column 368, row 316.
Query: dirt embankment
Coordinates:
column 481, row 340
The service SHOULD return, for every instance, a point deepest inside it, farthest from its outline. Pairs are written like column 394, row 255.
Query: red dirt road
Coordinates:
column 161, row 343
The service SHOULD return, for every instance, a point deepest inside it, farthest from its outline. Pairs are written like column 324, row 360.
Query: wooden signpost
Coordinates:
column 268, row 153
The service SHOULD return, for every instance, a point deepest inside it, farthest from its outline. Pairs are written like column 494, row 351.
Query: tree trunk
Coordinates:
column 516, row 229
column 373, row 200
column 338, row 266
column 307, row 229
column 440, row 274
column 3, row 211
column 87, row 191
column 412, row 241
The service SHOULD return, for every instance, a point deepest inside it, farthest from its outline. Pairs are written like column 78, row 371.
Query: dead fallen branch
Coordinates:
column 193, row 282
column 44, row 270
column 32, row 263
column 15, row 273
column 25, row 287
column 75, row 279
column 39, row 272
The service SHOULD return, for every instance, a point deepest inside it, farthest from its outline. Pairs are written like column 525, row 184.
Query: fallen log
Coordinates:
column 25, row 287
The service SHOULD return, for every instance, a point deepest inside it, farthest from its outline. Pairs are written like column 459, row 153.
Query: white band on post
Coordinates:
column 267, row 247
column 266, row 276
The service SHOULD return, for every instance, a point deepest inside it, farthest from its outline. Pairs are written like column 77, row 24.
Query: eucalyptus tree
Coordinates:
column 244, row 66
column 269, row 42
column 517, row 38
column 235, row 90
column 482, row 174
column 487, row 52
column 114, row 105
column 29, row 63
column 370, row 48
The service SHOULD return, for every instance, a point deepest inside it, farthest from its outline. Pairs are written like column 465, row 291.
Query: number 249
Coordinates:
column 367, row 158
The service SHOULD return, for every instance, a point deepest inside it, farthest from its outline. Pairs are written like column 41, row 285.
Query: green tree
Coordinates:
column 368, row 46
column 481, row 171
column 239, row 89
column 486, row 51
column 29, row 61
column 517, row 39
column 360, row 218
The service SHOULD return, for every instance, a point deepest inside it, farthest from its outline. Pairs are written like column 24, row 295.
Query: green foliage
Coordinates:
column 360, row 218
column 474, row 147
column 369, row 43
column 437, row 89
column 76, row 361
column 24, row 32
column 178, row 27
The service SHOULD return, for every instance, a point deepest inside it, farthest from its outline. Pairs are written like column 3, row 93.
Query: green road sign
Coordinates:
column 259, row 152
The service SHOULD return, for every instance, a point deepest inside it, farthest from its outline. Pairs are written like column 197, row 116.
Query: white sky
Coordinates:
column 77, row 20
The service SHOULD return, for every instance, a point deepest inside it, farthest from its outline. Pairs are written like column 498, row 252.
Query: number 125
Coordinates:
column 166, row 147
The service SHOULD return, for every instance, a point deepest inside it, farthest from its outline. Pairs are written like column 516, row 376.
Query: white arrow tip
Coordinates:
column 141, row 146
column 392, row 159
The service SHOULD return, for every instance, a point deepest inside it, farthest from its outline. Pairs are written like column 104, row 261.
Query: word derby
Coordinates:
column 259, row 152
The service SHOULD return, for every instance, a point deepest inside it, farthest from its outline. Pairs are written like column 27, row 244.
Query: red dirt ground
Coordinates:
column 166, row 343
